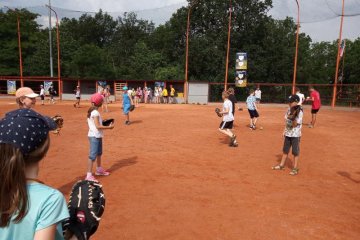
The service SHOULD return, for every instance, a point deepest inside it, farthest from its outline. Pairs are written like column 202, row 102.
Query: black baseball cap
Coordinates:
column 293, row 98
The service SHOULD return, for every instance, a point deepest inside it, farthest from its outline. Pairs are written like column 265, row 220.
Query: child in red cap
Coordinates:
column 95, row 136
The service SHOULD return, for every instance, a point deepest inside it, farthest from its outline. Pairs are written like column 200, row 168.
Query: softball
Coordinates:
column 261, row 128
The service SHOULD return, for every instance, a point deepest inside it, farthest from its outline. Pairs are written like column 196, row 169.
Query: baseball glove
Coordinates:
column 217, row 110
column 132, row 108
column 294, row 112
column 107, row 122
column 86, row 206
column 59, row 122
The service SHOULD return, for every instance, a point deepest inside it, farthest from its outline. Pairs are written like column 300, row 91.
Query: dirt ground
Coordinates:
column 173, row 175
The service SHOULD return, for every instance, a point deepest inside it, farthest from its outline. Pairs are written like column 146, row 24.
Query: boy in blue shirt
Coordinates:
column 251, row 105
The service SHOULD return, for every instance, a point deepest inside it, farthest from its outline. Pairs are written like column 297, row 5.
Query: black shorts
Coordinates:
column 294, row 143
column 226, row 125
column 42, row 97
column 78, row 98
column 253, row 113
column 314, row 111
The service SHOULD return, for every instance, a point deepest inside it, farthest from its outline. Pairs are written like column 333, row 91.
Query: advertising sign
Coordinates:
column 11, row 87
column 241, row 79
column 241, row 61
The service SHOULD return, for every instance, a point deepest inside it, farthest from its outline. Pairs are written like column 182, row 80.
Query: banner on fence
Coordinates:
column 11, row 87
column 241, row 79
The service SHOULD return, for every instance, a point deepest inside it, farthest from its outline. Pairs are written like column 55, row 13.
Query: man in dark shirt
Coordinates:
column 232, row 98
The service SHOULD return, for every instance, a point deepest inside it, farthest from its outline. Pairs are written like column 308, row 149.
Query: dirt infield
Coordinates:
column 174, row 176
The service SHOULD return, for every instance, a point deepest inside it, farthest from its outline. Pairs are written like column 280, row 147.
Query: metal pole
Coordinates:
column 333, row 102
column 187, row 56
column 50, row 43
column 58, row 52
column 296, row 47
column 228, row 49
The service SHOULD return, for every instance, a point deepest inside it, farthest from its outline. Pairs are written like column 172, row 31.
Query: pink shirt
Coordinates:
column 316, row 104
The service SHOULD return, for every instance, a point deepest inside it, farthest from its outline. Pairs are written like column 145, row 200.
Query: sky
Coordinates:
column 319, row 18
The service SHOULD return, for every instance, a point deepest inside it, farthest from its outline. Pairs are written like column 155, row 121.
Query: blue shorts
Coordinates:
column 95, row 148
column 126, row 109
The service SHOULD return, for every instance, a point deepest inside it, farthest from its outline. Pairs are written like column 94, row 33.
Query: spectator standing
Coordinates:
column 258, row 95
column 42, row 94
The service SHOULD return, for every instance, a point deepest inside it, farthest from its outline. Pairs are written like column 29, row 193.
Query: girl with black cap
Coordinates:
column 29, row 209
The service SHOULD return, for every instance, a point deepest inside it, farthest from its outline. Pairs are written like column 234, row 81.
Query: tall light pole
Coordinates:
column 58, row 51
column 333, row 102
column 19, row 45
column 50, row 43
column 228, row 48
column 186, row 86
column 296, row 47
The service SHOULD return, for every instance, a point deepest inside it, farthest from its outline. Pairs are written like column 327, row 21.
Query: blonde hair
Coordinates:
column 19, row 101
column 225, row 94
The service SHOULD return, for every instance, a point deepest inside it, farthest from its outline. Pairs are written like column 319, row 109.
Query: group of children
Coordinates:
column 31, row 210
column 293, row 124
column 147, row 95
column 52, row 93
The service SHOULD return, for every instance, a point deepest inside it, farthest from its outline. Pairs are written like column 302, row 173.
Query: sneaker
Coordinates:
column 101, row 172
column 91, row 178
column 310, row 126
column 254, row 127
column 127, row 122
column 294, row 172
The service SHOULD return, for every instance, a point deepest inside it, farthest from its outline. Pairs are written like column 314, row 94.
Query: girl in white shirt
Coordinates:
column 95, row 136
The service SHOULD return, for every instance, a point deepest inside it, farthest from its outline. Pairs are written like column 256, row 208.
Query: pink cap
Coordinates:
column 97, row 98
column 25, row 92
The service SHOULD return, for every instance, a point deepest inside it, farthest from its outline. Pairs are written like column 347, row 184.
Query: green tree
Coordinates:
column 9, row 54
column 90, row 61
column 352, row 61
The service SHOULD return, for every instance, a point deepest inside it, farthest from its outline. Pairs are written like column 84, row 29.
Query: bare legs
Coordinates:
column 91, row 163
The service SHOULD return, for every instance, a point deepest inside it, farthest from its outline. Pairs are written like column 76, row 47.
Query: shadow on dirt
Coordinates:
column 348, row 176
column 66, row 188
column 123, row 163
column 289, row 161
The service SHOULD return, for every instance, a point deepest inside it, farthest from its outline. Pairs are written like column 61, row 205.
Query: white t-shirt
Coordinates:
column 93, row 131
column 258, row 94
column 229, row 116
column 42, row 92
column 302, row 98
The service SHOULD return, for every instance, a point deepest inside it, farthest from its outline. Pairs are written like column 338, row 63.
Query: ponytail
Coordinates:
column 92, row 108
column 13, row 190
column 14, row 197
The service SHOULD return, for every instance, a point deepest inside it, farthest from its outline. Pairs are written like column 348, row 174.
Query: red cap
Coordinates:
column 97, row 98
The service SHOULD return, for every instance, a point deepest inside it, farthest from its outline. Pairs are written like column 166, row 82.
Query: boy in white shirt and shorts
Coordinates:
column 228, row 119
